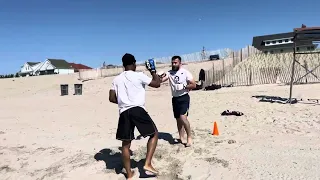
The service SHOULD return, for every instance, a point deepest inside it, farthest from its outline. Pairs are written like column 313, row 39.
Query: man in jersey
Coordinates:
column 181, row 82
column 128, row 91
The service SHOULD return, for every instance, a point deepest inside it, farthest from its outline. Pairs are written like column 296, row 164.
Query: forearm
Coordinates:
column 155, row 77
column 113, row 97
column 190, row 86
column 114, row 101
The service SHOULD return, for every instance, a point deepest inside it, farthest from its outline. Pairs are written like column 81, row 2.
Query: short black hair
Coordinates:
column 128, row 59
column 176, row 57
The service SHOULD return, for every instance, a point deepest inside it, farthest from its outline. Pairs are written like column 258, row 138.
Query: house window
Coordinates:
column 266, row 52
column 287, row 40
column 280, row 41
column 298, row 48
column 308, row 48
column 312, row 47
column 274, row 42
column 281, row 50
column 267, row 42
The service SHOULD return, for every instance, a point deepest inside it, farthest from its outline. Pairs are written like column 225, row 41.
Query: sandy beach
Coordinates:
column 45, row 136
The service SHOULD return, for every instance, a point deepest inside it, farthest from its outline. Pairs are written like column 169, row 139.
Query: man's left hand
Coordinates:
column 179, row 87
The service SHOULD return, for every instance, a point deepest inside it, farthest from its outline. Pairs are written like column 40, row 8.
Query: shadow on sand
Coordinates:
column 164, row 136
column 113, row 161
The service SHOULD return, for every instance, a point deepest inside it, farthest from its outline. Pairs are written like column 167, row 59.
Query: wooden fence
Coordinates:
column 266, row 69
column 231, row 57
column 220, row 68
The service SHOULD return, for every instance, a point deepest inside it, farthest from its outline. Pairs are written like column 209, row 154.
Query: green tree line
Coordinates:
column 9, row 76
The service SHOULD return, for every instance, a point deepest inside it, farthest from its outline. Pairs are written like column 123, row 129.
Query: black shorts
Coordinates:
column 135, row 117
column 180, row 105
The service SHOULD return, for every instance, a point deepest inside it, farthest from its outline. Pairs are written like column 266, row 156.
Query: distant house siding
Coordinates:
column 64, row 71
column 35, row 67
column 286, row 50
column 46, row 66
column 26, row 68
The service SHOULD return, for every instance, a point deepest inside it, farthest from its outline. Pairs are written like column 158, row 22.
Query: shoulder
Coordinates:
column 185, row 70
column 116, row 79
column 140, row 74
column 171, row 72
column 119, row 77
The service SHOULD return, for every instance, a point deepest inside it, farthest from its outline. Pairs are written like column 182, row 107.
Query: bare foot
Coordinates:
column 180, row 141
column 130, row 175
column 189, row 142
column 150, row 169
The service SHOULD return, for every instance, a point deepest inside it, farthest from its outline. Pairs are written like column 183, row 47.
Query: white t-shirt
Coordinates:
column 179, row 77
column 130, row 89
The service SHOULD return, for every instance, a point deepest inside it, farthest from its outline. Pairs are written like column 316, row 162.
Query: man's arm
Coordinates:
column 163, row 77
column 156, row 81
column 152, row 82
column 113, row 95
column 191, row 82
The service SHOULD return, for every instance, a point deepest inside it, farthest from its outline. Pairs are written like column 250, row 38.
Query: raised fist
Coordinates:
column 150, row 65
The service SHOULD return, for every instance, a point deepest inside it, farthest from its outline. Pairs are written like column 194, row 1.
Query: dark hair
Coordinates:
column 176, row 57
column 128, row 59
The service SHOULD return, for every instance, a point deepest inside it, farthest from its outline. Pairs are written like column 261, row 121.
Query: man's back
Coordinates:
column 130, row 89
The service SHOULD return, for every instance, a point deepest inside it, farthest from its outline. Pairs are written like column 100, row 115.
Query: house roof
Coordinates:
column 79, row 66
column 60, row 63
column 307, row 34
column 32, row 63
column 257, row 41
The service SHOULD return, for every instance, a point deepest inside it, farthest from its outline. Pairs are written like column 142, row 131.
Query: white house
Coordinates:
column 28, row 68
column 49, row 66
column 53, row 66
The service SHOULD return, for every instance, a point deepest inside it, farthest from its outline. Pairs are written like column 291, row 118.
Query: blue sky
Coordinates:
column 94, row 31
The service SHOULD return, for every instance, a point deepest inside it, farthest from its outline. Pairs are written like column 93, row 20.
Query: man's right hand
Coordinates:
column 161, row 74
column 150, row 65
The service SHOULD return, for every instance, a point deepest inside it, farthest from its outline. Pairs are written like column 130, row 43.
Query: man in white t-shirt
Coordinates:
column 128, row 91
column 181, row 82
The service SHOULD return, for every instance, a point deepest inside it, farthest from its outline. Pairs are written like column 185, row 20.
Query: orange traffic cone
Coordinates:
column 215, row 130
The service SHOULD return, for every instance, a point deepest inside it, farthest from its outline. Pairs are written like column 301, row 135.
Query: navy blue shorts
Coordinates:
column 180, row 105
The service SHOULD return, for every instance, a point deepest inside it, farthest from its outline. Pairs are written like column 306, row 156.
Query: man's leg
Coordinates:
column 176, row 112
column 184, row 112
column 187, row 127
column 126, row 158
column 125, row 134
column 180, row 129
column 146, row 127
column 151, row 147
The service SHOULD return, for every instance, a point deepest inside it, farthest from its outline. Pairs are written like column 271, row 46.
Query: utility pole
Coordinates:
column 203, row 53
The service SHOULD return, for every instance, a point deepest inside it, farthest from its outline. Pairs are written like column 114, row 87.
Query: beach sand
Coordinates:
column 47, row 136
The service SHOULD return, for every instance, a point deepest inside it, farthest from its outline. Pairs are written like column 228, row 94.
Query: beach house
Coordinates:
column 28, row 68
column 280, row 43
column 53, row 66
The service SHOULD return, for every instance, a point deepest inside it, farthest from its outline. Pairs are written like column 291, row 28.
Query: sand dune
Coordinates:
column 46, row 136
